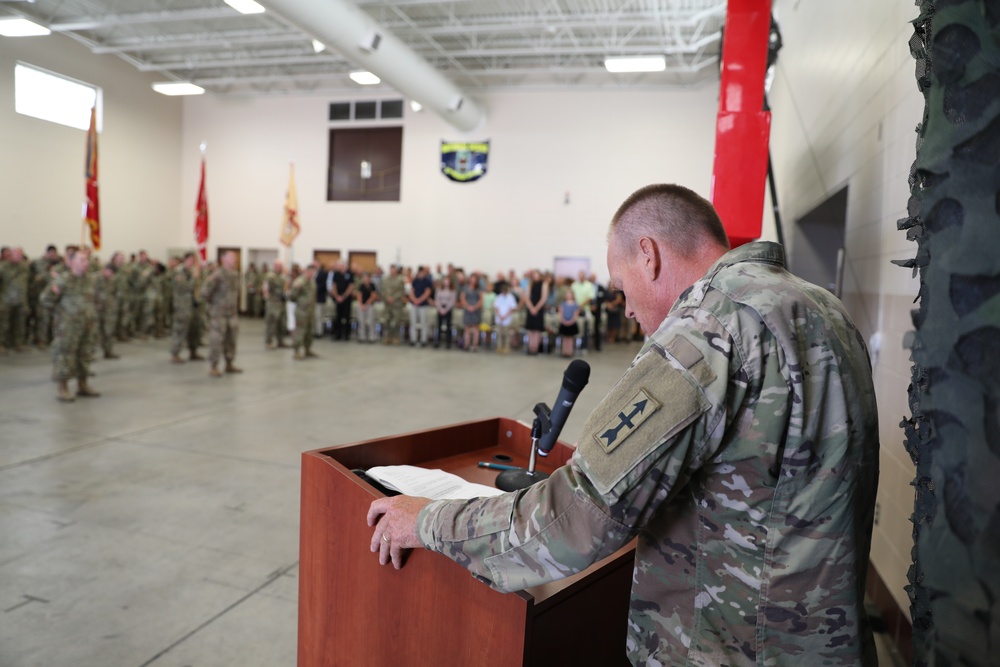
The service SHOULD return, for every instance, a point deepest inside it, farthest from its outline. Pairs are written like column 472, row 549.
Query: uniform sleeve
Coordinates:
column 549, row 531
column 48, row 298
column 641, row 444
column 209, row 286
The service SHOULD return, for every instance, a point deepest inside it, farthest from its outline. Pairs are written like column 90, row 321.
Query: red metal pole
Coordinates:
column 743, row 126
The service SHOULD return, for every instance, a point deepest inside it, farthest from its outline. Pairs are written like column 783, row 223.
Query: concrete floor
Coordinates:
column 158, row 524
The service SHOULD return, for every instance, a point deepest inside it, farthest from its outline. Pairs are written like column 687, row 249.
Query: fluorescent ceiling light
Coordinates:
column 246, row 6
column 365, row 78
column 177, row 88
column 318, row 46
column 415, row 105
column 636, row 64
column 18, row 27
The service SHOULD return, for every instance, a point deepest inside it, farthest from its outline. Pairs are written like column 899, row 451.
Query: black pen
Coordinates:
column 496, row 466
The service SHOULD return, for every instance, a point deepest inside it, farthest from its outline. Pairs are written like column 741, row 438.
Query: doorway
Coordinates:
column 817, row 248
column 365, row 260
column 261, row 257
column 327, row 258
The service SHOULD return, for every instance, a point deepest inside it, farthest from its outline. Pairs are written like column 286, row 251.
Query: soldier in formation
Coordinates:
column 274, row 295
column 252, row 281
column 303, row 294
column 186, row 330
column 14, row 300
column 221, row 293
column 41, row 273
column 106, row 304
column 71, row 298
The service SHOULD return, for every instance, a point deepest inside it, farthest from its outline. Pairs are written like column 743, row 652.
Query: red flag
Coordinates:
column 290, row 223
column 201, row 218
column 91, row 212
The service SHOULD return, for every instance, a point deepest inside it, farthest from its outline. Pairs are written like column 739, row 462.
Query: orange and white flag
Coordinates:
column 290, row 222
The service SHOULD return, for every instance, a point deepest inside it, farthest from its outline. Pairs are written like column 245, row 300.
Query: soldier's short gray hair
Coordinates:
column 671, row 214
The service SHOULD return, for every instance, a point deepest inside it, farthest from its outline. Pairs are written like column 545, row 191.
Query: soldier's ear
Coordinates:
column 650, row 258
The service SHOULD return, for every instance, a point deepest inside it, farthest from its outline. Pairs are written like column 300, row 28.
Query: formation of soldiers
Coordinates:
column 78, row 308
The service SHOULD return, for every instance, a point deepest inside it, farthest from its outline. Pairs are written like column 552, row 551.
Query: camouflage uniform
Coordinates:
column 75, row 324
column 144, row 296
column 40, row 320
column 253, row 279
column 274, row 329
column 199, row 313
column 105, row 302
column 393, row 293
column 120, row 288
column 303, row 294
column 165, row 313
column 221, row 293
column 15, row 304
column 741, row 448
column 183, row 332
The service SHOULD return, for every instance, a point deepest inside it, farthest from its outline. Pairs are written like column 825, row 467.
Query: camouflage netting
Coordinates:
column 953, row 434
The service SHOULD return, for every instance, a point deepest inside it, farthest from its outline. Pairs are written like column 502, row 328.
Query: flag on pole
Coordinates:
column 290, row 223
column 201, row 217
column 91, row 212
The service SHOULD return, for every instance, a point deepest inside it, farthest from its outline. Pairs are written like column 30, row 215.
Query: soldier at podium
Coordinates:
column 740, row 448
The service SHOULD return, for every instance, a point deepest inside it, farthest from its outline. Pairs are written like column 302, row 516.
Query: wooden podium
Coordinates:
column 357, row 613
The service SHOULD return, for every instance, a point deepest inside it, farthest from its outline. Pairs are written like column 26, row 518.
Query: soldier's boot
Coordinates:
column 214, row 371
column 310, row 354
column 230, row 368
column 63, row 393
column 111, row 355
column 84, row 389
column 3, row 351
column 195, row 356
column 176, row 359
column 42, row 347
column 298, row 354
column 270, row 345
column 281, row 343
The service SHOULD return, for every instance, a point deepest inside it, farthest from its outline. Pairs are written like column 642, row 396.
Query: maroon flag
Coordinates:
column 201, row 217
column 91, row 212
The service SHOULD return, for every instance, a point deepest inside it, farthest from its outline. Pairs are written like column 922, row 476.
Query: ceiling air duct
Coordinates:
column 346, row 28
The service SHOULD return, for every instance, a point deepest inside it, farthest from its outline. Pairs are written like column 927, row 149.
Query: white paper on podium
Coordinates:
column 426, row 483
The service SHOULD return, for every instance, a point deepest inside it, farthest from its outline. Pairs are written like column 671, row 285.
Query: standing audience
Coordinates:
column 367, row 296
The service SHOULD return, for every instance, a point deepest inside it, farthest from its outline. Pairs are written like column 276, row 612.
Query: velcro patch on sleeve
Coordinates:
column 652, row 403
column 640, row 408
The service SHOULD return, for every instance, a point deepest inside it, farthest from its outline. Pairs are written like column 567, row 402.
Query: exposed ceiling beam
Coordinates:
column 203, row 40
column 114, row 20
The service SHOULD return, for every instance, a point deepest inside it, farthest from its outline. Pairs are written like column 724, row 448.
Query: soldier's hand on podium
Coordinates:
column 395, row 522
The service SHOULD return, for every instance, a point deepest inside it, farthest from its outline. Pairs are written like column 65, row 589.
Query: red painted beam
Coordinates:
column 743, row 128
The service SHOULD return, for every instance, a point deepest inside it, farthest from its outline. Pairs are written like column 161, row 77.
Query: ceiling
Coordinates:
column 480, row 45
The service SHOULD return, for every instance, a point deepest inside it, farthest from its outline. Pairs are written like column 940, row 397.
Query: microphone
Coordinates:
column 575, row 378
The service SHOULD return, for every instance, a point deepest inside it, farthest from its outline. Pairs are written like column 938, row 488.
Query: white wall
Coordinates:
column 598, row 146
column 42, row 163
column 845, row 105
